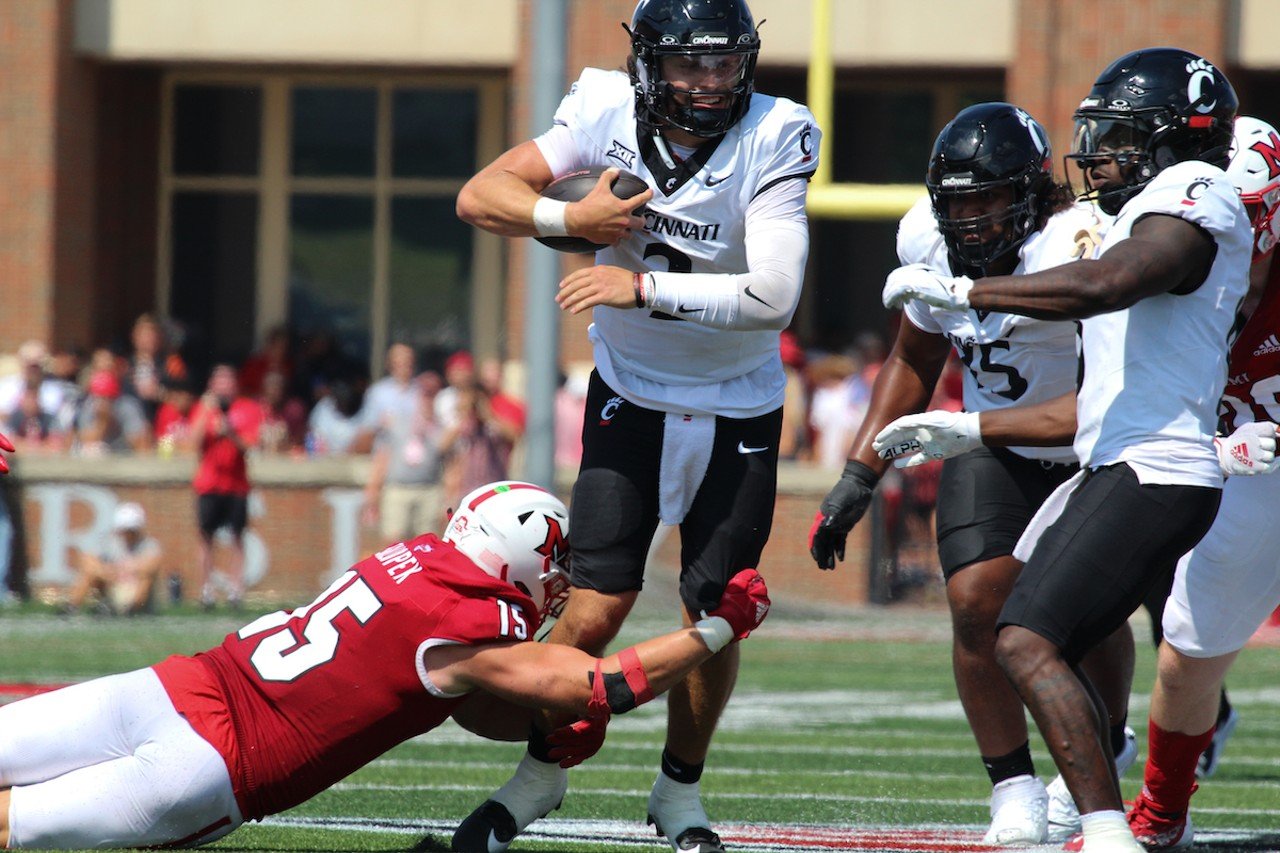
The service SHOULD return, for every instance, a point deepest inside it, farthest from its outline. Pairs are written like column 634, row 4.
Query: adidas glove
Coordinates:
column 575, row 743
column 1249, row 450
column 916, row 439
column 919, row 281
column 742, row 608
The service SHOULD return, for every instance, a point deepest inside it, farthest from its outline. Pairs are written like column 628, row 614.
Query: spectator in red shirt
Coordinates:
column 224, row 426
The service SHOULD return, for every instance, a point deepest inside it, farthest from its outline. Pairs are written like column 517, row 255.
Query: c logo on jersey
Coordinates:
column 1201, row 85
column 556, row 546
column 1269, row 151
column 1195, row 190
column 806, row 143
column 610, row 409
column 622, row 154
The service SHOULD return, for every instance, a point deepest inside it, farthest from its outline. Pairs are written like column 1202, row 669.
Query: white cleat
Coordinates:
column 1064, row 819
column 1019, row 812
column 675, row 810
column 532, row 792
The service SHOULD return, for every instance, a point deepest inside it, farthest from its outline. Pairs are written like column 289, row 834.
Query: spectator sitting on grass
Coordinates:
column 123, row 573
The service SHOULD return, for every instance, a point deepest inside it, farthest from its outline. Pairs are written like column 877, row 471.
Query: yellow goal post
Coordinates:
column 875, row 202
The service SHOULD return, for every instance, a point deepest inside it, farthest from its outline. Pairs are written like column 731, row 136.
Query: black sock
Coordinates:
column 1118, row 737
column 538, row 745
column 1016, row 763
column 678, row 771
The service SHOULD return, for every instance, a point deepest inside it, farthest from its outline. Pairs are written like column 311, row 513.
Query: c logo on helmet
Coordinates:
column 1200, row 86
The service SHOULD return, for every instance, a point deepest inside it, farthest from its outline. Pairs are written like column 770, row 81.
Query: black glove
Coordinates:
column 839, row 512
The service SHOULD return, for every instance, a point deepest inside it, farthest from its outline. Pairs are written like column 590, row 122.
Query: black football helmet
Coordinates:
column 699, row 31
column 989, row 146
column 1148, row 110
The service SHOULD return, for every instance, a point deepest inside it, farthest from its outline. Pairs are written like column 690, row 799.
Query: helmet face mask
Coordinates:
column 1148, row 110
column 987, row 155
column 692, row 64
column 517, row 532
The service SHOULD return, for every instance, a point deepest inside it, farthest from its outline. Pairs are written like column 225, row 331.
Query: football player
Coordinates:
column 993, row 209
column 1230, row 582
column 183, row 752
column 1211, row 625
column 1157, row 307
column 688, row 299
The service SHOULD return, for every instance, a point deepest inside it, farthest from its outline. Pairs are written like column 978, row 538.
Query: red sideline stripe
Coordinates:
column 906, row 839
column 21, row 691
column 507, row 488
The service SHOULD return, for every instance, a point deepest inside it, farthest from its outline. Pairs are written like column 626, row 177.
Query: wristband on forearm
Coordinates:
column 619, row 692
column 639, row 281
column 548, row 217
column 715, row 631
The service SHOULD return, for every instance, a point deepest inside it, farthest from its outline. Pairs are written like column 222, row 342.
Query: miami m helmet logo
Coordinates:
column 1269, row 150
column 556, row 546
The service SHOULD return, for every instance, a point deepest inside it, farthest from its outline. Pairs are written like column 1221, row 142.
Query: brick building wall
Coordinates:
column 28, row 168
column 1062, row 45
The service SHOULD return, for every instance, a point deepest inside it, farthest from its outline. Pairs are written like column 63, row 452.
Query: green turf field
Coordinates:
column 839, row 730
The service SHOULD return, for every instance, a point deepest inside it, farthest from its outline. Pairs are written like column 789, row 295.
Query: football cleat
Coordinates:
column 534, row 791
column 675, row 811
column 1064, row 819
column 1019, row 812
column 1208, row 763
column 1157, row 830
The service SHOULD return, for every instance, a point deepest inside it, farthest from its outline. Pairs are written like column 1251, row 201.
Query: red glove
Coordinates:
column 5, row 444
column 576, row 742
column 744, row 604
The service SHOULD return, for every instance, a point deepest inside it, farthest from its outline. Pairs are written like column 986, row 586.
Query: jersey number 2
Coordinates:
column 282, row 656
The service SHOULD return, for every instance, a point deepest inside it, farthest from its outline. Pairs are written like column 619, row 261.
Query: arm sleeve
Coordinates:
column 765, row 297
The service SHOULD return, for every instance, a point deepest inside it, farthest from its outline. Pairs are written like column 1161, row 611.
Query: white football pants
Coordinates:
column 110, row 763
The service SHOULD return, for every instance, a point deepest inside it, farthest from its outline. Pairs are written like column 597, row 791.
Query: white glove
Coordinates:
column 919, row 281
column 928, row 436
column 1249, row 450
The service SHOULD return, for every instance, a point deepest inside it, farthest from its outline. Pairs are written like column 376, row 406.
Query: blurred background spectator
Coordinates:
column 571, row 399
column 794, row 443
column 838, row 405
column 391, row 397
column 150, row 364
column 284, row 418
column 123, row 571
column 334, row 423
column 273, row 358
column 109, row 420
column 459, row 373
column 403, row 494
column 478, row 445
column 224, row 425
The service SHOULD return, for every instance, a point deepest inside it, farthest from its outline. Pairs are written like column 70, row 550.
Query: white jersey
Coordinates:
column 1010, row 360
column 1153, row 373
column 695, row 223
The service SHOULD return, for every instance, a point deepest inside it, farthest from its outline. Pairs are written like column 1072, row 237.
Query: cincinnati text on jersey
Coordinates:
column 656, row 223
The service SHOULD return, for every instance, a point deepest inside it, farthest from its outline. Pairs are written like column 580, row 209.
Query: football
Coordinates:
column 574, row 187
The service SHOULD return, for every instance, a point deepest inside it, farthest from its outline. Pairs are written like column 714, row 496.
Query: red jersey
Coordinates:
column 315, row 693
column 1253, row 368
column 222, row 467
